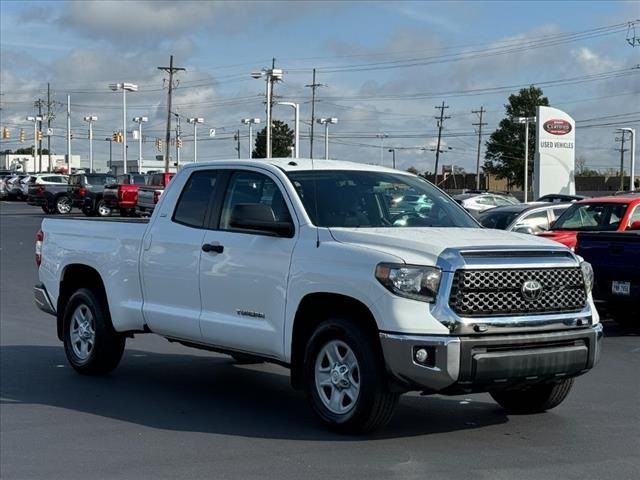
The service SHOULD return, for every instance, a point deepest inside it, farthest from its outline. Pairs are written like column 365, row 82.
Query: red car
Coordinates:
column 123, row 195
column 616, row 213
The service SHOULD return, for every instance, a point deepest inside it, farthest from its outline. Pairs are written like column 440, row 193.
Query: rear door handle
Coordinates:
column 209, row 247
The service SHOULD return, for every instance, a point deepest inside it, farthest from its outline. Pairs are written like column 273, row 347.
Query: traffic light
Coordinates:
column 6, row 133
column 120, row 137
column 179, row 142
column 158, row 144
column 39, row 136
column 22, row 135
column 114, row 137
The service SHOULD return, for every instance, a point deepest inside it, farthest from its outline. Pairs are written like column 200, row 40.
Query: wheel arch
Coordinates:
column 313, row 309
column 73, row 277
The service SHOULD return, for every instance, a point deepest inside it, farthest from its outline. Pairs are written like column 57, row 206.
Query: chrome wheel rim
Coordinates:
column 103, row 210
column 337, row 377
column 82, row 333
column 64, row 205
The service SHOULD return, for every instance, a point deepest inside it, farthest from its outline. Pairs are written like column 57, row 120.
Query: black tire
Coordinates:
column 533, row 399
column 88, row 310
column 102, row 209
column 63, row 205
column 89, row 210
column 49, row 210
column 375, row 403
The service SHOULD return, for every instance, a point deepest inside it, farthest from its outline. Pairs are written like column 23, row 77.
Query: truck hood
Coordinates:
column 422, row 246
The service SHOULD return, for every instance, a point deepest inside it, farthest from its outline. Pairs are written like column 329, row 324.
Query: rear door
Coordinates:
column 243, row 277
column 171, row 260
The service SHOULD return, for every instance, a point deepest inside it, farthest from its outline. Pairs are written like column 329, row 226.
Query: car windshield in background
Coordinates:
column 499, row 220
column 100, row 180
column 348, row 198
column 591, row 216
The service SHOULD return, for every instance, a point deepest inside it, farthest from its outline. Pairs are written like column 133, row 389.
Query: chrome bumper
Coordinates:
column 43, row 302
column 457, row 364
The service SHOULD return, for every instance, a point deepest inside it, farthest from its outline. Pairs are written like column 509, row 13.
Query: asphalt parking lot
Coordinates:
column 172, row 412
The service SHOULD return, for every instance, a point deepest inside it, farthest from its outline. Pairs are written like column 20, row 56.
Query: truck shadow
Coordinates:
column 209, row 394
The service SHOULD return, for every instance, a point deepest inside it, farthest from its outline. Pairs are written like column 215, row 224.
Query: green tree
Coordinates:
column 505, row 148
column 281, row 141
column 29, row 151
column 413, row 170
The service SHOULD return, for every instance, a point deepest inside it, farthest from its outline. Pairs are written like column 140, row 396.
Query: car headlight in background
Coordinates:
column 587, row 274
column 415, row 282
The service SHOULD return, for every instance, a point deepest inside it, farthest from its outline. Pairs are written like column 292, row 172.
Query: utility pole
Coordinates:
column 480, row 124
column 69, row 134
column 622, row 150
column 170, row 70
column 178, row 140
column 238, row 142
column 38, row 104
column 49, row 125
column 313, row 87
column 440, row 119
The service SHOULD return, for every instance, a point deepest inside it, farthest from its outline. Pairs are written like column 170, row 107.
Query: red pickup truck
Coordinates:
column 149, row 194
column 616, row 213
column 123, row 195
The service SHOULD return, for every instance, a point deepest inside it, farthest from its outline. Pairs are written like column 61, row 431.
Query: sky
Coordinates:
column 384, row 67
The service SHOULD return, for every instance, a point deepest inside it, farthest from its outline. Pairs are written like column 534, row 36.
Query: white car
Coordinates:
column 41, row 179
column 479, row 202
column 303, row 264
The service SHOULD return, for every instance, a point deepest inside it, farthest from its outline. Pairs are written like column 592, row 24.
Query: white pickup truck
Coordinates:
column 321, row 267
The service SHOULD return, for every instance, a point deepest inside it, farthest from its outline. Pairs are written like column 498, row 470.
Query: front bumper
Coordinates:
column 461, row 364
column 43, row 302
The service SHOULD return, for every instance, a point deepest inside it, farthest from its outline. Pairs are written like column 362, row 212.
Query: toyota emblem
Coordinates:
column 531, row 290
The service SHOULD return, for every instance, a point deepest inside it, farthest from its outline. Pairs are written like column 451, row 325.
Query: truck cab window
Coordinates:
column 191, row 208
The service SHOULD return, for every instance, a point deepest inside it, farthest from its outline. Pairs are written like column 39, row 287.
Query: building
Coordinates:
column 26, row 163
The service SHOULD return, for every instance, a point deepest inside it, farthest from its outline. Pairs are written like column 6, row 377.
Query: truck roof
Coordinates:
column 298, row 164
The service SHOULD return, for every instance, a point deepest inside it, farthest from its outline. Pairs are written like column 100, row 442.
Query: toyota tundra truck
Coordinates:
column 305, row 264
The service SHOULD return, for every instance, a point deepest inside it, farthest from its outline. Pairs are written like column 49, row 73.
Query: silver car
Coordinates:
column 475, row 203
column 530, row 218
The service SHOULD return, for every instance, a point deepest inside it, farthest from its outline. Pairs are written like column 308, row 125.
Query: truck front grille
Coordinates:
column 502, row 291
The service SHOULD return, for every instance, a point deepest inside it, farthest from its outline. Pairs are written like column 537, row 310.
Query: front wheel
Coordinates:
column 103, row 209
column 533, row 399
column 91, row 344
column 344, row 378
column 63, row 205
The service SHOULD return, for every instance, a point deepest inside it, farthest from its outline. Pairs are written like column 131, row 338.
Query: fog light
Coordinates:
column 421, row 355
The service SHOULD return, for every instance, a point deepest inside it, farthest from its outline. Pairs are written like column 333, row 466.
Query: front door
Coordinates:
column 243, row 278
column 171, row 260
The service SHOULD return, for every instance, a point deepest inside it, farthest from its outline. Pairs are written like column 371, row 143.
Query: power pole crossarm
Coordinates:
column 170, row 70
column 480, row 124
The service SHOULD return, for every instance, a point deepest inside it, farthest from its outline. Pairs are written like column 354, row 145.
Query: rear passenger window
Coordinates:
column 194, row 199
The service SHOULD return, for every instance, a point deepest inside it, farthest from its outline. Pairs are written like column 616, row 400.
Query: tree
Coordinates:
column 281, row 141
column 27, row 151
column 505, row 147
column 413, row 170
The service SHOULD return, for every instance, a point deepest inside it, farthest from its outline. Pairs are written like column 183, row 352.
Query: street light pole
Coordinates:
column 195, row 122
column 131, row 88
column 272, row 75
column 110, row 140
column 382, row 136
column 526, row 121
column 296, row 107
column 250, row 122
column 632, row 134
column 90, row 119
column 326, row 122
column 140, row 121
column 393, row 151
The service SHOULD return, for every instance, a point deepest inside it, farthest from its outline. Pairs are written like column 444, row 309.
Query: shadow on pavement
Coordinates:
column 208, row 394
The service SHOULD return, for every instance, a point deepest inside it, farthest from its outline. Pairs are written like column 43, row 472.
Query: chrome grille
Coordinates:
column 499, row 291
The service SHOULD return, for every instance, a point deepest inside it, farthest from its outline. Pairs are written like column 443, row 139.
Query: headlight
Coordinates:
column 417, row 283
column 587, row 274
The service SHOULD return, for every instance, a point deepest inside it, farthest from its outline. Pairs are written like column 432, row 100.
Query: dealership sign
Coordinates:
column 554, row 165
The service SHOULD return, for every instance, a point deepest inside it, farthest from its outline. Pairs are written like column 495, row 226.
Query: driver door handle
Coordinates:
column 209, row 247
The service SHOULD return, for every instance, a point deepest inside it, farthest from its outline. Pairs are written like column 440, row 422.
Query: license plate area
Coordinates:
column 621, row 288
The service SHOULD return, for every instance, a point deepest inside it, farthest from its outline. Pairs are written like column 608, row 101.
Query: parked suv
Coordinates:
column 86, row 192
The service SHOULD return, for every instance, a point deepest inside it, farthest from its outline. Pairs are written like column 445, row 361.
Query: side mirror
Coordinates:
column 634, row 225
column 258, row 217
column 523, row 229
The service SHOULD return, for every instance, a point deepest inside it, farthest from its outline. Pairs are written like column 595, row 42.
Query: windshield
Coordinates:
column 375, row 199
column 591, row 216
column 499, row 220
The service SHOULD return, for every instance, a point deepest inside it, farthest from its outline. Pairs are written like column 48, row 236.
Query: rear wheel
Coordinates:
column 63, row 205
column 533, row 399
column 344, row 378
column 91, row 344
